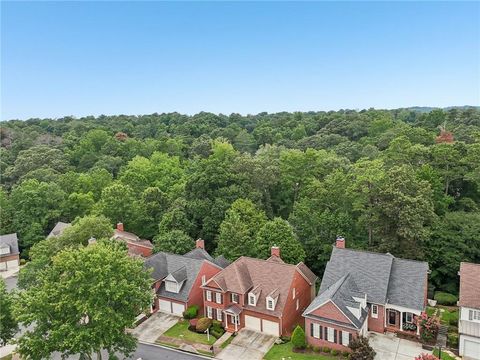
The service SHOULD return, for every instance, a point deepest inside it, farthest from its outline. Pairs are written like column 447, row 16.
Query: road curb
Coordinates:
column 176, row 349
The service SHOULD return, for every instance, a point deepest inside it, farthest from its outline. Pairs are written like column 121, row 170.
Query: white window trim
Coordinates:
column 298, row 304
column 374, row 311
column 345, row 338
column 293, row 293
column 171, row 286
column 316, row 331
column 408, row 314
column 473, row 315
column 204, row 279
column 268, row 300
column 209, row 295
column 218, row 298
column 232, row 298
column 5, row 250
column 209, row 312
column 330, row 336
column 219, row 315
column 252, row 299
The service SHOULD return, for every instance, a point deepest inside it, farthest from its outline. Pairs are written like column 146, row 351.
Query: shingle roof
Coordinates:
column 469, row 285
column 202, row 254
column 382, row 277
column 10, row 240
column 341, row 293
column 266, row 276
column 58, row 229
column 131, row 238
column 181, row 267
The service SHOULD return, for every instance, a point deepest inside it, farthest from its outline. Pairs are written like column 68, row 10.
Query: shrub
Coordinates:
column 335, row 352
column 298, row 338
column 215, row 333
column 361, row 349
column 191, row 312
column 326, row 349
column 346, row 354
column 426, row 357
column 192, row 324
column 23, row 261
column 203, row 324
column 285, row 339
column 428, row 328
column 316, row 349
column 444, row 298
column 452, row 339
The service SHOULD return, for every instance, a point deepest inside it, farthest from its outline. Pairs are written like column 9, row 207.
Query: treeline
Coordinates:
column 385, row 180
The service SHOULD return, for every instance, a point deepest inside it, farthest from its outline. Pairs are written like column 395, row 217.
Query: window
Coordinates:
column 209, row 295
column 316, row 331
column 218, row 298
column 204, row 279
column 171, row 286
column 473, row 315
column 252, row 299
column 293, row 293
column 5, row 250
column 234, row 298
column 219, row 314
column 270, row 304
column 345, row 338
column 298, row 304
column 330, row 336
column 374, row 311
column 235, row 320
column 408, row 317
column 209, row 312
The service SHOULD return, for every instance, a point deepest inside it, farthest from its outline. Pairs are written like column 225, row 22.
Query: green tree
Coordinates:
column 239, row 230
column 298, row 338
column 119, row 204
column 83, row 303
column 278, row 232
column 8, row 323
column 175, row 241
column 361, row 349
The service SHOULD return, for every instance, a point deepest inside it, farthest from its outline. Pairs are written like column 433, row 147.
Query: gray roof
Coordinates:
column 181, row 267
column 202, row 254
column 384, row 278
column 341, row 293
column 10, row 240
column 58, row 229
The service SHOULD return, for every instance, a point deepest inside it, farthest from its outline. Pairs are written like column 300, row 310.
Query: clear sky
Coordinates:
column 82, row 58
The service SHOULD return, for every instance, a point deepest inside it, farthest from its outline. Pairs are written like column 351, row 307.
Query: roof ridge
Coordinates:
column 270, row 262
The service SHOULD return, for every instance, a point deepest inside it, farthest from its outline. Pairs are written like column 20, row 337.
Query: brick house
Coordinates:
column 177, row 279
column 469, row 303
column 9, row 253
column 135, row 245
column 362, row 291
column 267, row 296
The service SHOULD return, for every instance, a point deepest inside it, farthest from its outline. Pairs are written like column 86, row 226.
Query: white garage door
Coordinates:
column 471, row 349
column 165, row 306
column 178, row 309
column 270, row 327
column 12, row 264
column 252, row 323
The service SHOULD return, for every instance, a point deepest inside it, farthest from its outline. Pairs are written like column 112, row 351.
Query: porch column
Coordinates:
column 236, row 323
column 401, row 320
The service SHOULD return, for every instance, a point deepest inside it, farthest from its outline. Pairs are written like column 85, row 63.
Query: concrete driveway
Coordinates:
column 249, row 345
column 390, row 347
column 154, row 326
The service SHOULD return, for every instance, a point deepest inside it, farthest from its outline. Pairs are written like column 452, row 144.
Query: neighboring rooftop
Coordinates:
column 383, row 277
column 58, row 229
column 10, row 241
column 120, row 234
column 201, row 254
column 469, row 285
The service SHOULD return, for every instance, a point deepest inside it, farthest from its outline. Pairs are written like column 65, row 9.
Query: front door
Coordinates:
column 392, row 317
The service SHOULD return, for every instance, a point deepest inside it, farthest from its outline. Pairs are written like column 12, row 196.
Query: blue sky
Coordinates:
column 81, row 58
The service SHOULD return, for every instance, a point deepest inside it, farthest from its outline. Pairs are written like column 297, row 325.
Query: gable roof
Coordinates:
column 469, row 285
column 181, row 267
column 11, row 241
column 202, row 254
column 131, row 238
column 384, row 278
column 267, row 277
column 342, row 294
column 58, row 229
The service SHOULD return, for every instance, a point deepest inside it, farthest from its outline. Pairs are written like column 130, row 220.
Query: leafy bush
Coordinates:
column 23, row 261
column 346, row 354
column 316, row 349
column 192, row 324
column 428, row 328
column 335, row 352
column 361, row 349
column 326, row 349
column 191, row 312
column 216, row 334
column 426, row 357
column 217, row 329
column 298, row 338
column 444, row 298
column 452, row 339
column 203, row 324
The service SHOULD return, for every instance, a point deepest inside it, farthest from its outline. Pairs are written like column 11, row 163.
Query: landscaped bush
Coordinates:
column 298, row 338
column 192, row 324
column 426, row 357
column 428, row 328
column 361, row 349
column 346, row 354
column 191, row 312
column 316, row 349
column 23, row 261
column 335, row 352
column 326, row 349
column 216, row 334
column 452, row 340
column 444, row 298
column 203, row 324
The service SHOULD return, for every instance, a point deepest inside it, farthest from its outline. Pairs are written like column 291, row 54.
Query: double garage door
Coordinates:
column 171, row 307
column 9, row 265
column 471, row 349
column 262, row 325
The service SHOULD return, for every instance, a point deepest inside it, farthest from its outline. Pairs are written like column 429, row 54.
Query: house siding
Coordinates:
column 138, row 249
column 322, row 342
column 330, row 311
column 377, row 324
column 196, row 293
column 6, row 258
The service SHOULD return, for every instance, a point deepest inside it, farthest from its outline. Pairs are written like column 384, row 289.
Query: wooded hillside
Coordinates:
column 387, row 181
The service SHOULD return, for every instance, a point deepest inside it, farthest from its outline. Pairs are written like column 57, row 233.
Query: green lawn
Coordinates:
column 7, row 357
column 228, row 341
column 431, row 311
column 285, row 351
column 448, row 315
column 180, row 331
column 445, row 356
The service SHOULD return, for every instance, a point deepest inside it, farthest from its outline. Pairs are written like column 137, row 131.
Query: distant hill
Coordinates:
column 424, row 109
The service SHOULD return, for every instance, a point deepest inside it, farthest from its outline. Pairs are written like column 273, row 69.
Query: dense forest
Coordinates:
column 401, row 181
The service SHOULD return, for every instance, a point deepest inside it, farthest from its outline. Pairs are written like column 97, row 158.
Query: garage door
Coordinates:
column 471, row 349
column 270, row 327
column 252, row 323
column 12, row 264
column 178, row 309
column 165, row 306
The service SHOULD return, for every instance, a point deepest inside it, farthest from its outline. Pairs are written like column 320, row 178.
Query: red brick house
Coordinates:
column 263, row 295
column 9, row 252
column 177, row 279
column 135, row 245
column 469, row 304
column 362, row 291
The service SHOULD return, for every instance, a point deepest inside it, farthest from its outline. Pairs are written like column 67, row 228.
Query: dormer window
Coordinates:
column 252, row 299
column 171, row 286
column 270, row 303
column 174, row 281
column 4, row 249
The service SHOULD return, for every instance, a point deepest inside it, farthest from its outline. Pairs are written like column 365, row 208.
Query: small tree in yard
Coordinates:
column 428, row 328
column 298, row 338
column 8, row 324
column 426, row 357
column 361, row 349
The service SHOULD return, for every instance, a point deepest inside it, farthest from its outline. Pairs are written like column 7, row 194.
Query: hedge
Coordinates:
column 191, row 312
column 444, row 298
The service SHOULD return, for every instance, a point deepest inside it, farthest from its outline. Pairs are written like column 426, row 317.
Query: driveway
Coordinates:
column 154, row 326
column 390, row 347
column 249, row 345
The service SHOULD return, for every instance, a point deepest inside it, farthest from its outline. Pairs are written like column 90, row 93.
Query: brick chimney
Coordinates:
column 120, row 227
column 275, row 251
column 200, row 244
column 340, row 243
